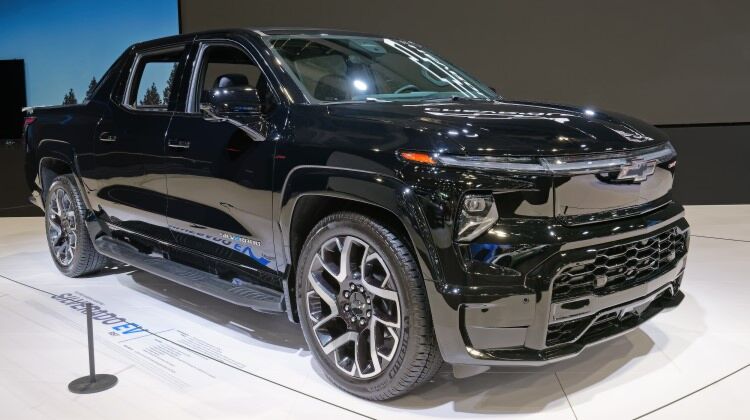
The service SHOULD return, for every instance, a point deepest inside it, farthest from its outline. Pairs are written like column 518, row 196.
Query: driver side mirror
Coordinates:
column 235, row 100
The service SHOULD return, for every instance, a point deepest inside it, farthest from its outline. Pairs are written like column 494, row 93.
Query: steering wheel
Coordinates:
column 405, row 88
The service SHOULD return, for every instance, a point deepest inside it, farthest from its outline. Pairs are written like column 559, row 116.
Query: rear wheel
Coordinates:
column 67, row 235
column 363, row 308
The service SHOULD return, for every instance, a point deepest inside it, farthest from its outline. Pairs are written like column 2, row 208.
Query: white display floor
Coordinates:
column 203, row 358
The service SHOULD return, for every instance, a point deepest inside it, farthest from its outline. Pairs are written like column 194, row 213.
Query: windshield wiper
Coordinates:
column 456, row 98
column 373, row 99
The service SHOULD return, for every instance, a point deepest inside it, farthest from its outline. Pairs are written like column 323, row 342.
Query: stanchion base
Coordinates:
column 84, row 385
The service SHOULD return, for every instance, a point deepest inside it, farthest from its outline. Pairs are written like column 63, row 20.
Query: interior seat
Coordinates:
column 230, row 80
column 224, row 81
column 332, row 87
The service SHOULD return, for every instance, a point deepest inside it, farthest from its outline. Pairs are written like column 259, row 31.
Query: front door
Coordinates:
column 129, row 146
column 220, row 164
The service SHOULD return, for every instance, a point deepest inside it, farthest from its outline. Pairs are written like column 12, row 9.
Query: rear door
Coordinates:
column 129, row 143
column 220, row 163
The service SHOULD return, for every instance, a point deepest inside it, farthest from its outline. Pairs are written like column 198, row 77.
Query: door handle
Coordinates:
column 107, row 137
column 178, row 144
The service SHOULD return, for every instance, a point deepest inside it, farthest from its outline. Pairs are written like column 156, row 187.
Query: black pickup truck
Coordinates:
column 397, row 208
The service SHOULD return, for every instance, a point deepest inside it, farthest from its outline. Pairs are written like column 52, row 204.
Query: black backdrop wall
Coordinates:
column 13, row 193
column 683, row 65
column 667, row 61
column 12, row 72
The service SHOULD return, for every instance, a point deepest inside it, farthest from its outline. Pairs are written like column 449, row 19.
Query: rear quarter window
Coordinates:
column 153, row 81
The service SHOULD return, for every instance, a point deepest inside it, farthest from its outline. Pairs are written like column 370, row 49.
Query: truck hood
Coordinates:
column 504, row 128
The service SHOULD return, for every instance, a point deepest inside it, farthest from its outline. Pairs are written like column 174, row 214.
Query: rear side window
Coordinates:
column 154, row 80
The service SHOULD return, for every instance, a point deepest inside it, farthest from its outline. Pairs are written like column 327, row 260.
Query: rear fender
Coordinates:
column 56, row 154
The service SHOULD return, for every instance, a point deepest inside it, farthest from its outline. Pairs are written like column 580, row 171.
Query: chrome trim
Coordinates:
column 178, row 144
column 575, row 165
column 524, row 164
column 562, row 165
column 107, row 137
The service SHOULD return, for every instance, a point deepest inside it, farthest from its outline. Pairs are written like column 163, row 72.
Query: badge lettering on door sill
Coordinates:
column 238, row 238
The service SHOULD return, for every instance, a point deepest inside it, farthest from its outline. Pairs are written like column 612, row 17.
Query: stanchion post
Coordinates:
column 90, row 333
column 92, row 383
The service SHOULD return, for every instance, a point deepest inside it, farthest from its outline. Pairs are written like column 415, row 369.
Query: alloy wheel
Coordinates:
column 62, row 227
column 354, row 306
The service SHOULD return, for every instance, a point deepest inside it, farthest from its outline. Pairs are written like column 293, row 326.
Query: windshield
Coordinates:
column 353, row 68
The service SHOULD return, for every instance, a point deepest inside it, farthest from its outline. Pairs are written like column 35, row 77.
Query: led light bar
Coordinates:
column 562, row 165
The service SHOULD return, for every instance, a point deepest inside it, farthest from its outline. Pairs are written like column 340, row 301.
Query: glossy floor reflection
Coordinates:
column 203, row 358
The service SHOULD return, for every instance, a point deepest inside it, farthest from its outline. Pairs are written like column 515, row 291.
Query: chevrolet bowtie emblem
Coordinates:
column 637, row 170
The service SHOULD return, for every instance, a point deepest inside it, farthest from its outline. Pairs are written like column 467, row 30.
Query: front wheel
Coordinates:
column 363, row 308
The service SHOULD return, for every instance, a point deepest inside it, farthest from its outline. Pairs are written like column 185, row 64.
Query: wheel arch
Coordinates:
column 52, row 166
column 312, row 193
column 49, row 169
column 53, row 158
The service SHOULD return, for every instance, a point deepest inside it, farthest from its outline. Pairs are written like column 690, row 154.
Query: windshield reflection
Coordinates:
column 353, row 68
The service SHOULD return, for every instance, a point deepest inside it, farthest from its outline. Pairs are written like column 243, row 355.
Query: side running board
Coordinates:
column 256, row 297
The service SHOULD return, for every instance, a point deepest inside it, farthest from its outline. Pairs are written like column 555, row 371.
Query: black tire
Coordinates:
column 416, row 358
column 84, row 259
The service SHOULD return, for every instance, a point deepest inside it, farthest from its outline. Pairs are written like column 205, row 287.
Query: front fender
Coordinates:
column 370, row 188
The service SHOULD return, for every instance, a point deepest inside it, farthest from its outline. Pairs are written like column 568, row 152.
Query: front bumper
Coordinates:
column 545, row 325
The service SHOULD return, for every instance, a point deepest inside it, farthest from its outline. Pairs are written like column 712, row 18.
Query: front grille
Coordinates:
column 620, row 266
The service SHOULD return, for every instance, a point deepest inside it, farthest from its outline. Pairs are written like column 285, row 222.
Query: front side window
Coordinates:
column 230, row 82
column 350, row 68
column 153, row 81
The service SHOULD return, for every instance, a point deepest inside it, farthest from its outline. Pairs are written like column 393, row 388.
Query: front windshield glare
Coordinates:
column 338, row 68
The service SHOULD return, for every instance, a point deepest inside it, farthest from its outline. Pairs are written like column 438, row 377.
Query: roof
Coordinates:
column 307, row 31
column 260, row 31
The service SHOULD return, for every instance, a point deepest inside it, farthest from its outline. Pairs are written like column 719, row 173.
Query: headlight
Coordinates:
column 478, row 213
column 530, row 165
